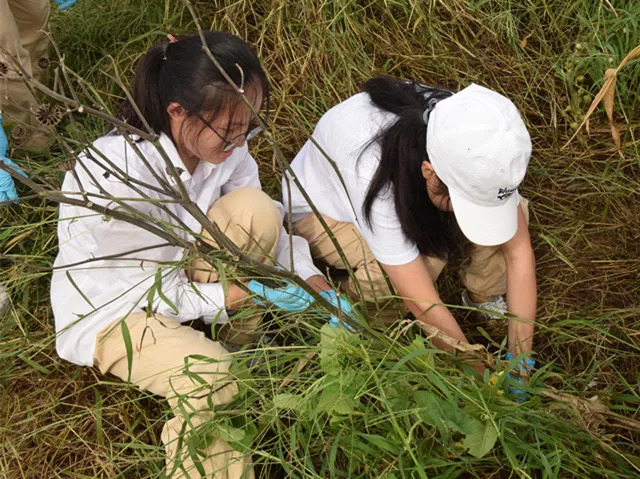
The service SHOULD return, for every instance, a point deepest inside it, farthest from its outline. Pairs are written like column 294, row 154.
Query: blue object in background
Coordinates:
column 7, row 186
column 64, row 4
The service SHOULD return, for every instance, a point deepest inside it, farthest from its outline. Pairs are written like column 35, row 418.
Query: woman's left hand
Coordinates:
column 289, row 297
column 343, row 305
column 319, row 283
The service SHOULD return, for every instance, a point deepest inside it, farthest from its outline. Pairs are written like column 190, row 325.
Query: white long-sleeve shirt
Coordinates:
column 86, row 298
column 344, row 134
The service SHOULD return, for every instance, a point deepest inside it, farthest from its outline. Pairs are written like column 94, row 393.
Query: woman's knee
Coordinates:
column 204, row 377
column 258, row 205
column 250, row 218
column 32, row 17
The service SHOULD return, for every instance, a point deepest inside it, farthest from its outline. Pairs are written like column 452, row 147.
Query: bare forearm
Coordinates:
column 522, row 302
column 318, row 283
column 237, row 297
column 440, row 317
column 413, row 280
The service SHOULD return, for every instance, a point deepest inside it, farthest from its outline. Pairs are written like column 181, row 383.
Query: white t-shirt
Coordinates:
column 342, row 133
column 87, row 297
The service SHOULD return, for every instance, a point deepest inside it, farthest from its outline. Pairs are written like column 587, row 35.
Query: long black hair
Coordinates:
column 182, row 72
column 402, row 151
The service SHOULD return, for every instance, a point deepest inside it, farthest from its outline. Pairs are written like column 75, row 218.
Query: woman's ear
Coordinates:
column 427, row 170
column 175, row 111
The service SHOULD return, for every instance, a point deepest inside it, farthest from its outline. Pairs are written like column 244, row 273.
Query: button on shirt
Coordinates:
column 105, row 267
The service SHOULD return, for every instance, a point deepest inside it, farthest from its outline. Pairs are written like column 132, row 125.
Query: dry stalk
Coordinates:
column 607, row 96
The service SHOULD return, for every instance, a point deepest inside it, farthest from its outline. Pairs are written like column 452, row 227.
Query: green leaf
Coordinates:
column 150, row 296
column 335, row 400
column 294, row 402
column 193, row 454
column 416, row 350
column 34, row 365
column 75, row 286
column 334, row 452
column 128, row 346
column 382, row 443
column 163, row 297
column 399, row 394
column 335, row 353
column 250, row 432
column 481, row 440
column 228, row 433
column 444, row 415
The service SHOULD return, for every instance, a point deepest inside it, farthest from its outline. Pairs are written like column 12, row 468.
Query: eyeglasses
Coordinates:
column 239, row 140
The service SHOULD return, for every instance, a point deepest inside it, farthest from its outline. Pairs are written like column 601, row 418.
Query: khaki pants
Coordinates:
column 22, row 25
column 483, row 270
column 180, row 363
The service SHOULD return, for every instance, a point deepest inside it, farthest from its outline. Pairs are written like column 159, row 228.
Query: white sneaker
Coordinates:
column 496, row 305
column 4, row 300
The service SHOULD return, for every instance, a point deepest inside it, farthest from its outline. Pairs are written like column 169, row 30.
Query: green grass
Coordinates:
column 375, row 407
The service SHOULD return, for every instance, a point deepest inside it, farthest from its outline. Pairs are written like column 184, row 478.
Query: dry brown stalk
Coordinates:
column 590, row 408
column 607, row 96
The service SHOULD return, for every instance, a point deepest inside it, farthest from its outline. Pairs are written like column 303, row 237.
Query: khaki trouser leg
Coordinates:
column 252, row 221
column 369, row 284
column 484, row 271
column 31, row 17
column 160, row 347
column 22, row 25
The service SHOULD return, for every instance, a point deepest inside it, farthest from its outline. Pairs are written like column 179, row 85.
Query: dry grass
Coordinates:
column 58, row 420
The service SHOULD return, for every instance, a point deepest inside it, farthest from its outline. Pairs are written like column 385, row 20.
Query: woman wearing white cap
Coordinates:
column 403, row 174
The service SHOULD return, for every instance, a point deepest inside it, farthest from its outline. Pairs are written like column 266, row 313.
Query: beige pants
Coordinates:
column 483, row 270
column 22, row 25
column 162, row 346
column 256, row 230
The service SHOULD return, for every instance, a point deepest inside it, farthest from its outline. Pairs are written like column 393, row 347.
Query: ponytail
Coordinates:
column 146, row 93
column 402, row 151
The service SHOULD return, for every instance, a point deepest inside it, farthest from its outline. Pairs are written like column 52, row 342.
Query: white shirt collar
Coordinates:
column 172, row 152
column 202, row 171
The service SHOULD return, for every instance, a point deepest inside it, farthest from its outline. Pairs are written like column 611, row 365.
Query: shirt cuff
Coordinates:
column 307, row 270
column 213, row 308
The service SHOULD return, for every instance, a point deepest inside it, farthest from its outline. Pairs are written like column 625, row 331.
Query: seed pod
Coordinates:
column 4, row 69
column 49, row 115
column 43, row 62
column 18, row 135
column 67, row 165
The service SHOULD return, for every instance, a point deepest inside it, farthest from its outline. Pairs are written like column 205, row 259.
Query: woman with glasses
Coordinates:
column 403, row 175
column 119, row 300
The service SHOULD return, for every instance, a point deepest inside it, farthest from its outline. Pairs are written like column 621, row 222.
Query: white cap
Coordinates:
column 479, row 147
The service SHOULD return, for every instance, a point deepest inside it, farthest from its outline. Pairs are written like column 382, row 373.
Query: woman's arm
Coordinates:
column 413, row 282
column 521, row 287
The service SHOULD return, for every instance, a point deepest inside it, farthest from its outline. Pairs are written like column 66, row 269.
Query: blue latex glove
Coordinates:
column 4, row 142
column 7, row 186
column 525, row 363
column 64, row 4
column 289, row 297
column 340, row 303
